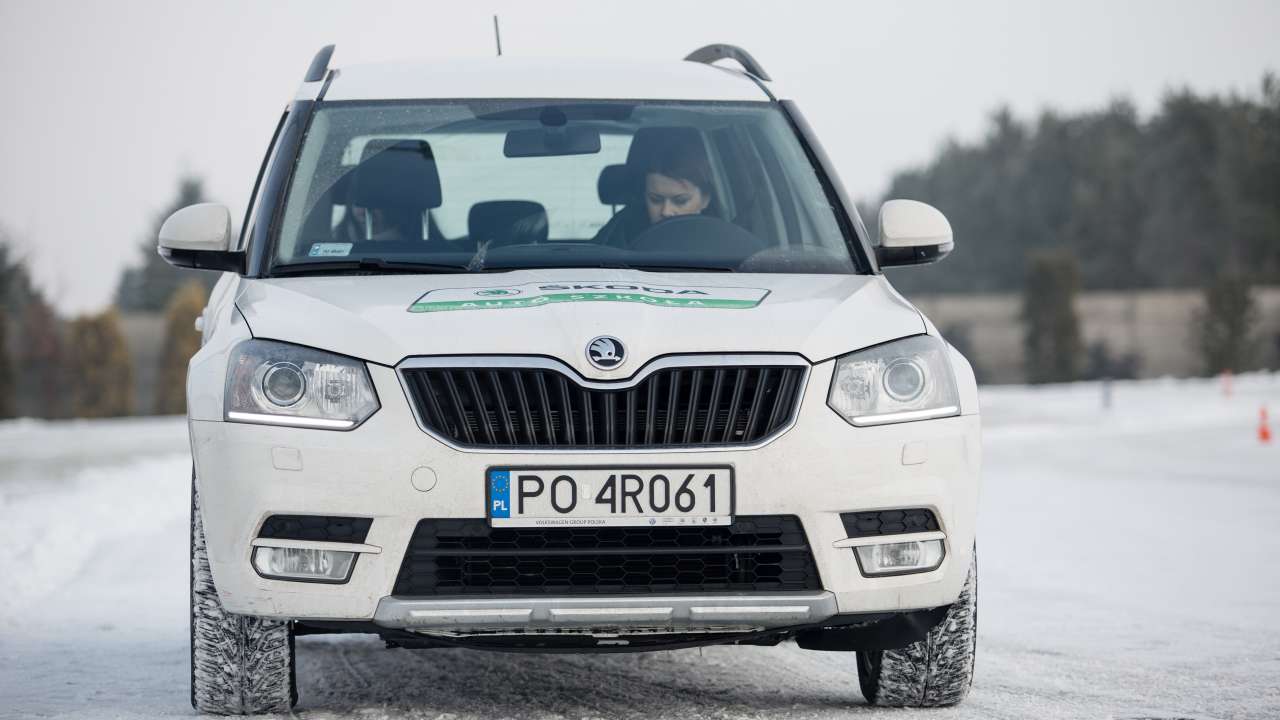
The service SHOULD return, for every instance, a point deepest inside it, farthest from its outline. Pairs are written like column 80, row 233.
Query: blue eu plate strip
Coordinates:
column 500, row 493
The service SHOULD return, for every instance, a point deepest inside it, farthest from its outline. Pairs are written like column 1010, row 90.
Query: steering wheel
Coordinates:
column 703, row 234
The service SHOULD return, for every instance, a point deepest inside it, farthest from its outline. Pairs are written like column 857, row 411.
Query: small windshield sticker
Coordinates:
column 546, row 293
column 329, row 250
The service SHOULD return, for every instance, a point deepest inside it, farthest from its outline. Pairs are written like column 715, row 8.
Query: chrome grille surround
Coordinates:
column 792, row 380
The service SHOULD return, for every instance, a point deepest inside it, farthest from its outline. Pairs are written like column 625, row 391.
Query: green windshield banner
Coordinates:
column 546, row 293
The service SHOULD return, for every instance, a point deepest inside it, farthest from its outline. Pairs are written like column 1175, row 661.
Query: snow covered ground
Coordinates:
column 1129, row 570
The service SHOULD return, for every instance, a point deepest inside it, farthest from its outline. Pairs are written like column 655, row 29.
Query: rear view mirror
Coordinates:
column 199, row 236
column 552, row 141
column 912, row 233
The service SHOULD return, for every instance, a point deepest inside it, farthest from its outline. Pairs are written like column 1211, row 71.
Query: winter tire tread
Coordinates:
column 933, row 672
column 239, row 664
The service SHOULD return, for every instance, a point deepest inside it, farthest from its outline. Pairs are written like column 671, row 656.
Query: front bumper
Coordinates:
column 389, row 470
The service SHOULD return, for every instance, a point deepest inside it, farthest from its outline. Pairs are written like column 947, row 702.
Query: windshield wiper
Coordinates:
column 679, row 268
column 365, row 265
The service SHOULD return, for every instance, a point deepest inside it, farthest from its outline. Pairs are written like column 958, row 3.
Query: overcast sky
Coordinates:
column 105, row 105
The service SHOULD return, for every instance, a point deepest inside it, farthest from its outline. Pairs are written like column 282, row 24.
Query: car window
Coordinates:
column 496, row 185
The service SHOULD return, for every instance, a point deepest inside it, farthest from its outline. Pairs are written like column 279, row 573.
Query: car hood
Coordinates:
column 556, row 313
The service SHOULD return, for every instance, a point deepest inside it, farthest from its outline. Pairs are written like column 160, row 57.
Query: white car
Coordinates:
column 570, row 356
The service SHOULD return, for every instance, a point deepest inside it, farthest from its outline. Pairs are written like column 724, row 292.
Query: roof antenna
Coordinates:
column 497, row 36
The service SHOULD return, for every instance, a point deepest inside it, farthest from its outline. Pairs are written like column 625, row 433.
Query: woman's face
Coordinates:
column 668, row 197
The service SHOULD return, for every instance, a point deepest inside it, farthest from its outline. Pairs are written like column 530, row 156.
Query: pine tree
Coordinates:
column 42, row 363
column 181, row 341
column 37, row 348
column 1224, row 326
column 101, row 366
column 1141, row 202
column 1054, row 348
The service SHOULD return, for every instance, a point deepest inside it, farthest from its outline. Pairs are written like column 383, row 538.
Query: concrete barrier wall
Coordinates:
column 144, row 332
column 1155, row 325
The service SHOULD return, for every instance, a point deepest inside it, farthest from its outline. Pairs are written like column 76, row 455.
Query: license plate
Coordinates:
column 593, row 497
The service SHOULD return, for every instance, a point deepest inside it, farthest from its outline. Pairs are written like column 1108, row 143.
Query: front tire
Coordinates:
column 239, row 664
column 932, row 672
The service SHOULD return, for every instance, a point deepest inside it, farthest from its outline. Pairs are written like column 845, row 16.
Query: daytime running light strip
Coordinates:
column 289, row 420
column 906, row 416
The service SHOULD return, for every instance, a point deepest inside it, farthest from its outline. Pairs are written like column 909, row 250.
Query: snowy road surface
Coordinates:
column 1129, row 570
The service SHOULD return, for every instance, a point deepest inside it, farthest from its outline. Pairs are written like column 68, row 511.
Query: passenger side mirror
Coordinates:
column 199, row 236
column 912, row 233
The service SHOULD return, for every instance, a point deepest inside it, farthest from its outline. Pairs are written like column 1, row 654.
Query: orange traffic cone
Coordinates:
column 1264, row 426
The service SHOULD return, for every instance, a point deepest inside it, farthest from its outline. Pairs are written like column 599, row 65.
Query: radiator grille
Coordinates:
column 543, row 408
column 467, row 557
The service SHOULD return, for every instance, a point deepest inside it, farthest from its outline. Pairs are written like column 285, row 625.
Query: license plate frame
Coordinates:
column 647, row 472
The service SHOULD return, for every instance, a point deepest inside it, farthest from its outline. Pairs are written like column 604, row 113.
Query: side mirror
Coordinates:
column 912, row 233
column 199, row 236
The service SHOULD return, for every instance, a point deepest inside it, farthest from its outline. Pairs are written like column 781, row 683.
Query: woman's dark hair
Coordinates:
column 682, row 158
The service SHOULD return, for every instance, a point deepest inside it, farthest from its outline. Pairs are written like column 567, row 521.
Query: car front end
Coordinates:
column 838, row 504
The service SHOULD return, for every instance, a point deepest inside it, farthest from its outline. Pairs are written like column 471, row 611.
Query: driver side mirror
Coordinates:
column 912, row 233
column 199, row 236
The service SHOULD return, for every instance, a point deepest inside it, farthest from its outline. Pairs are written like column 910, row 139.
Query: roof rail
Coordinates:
column 319, row 65
column 710, row 53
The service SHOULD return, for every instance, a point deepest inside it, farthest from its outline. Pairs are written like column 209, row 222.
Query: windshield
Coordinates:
column 482, row 186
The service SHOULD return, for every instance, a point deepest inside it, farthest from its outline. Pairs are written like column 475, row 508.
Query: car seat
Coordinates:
column 499, row 223
column 400, row 179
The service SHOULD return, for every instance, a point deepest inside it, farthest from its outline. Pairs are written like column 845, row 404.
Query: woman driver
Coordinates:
column 677, row 180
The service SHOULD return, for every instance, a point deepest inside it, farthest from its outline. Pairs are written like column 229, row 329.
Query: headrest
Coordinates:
column 396, row 174
column 507, row 222
column 617, row 185
column 647, row 140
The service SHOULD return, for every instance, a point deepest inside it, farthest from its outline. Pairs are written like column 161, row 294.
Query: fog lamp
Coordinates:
column 303, row 564
column 900, row 557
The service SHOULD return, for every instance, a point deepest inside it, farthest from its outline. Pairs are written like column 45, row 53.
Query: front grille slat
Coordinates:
column 731, row 424
column 481, row 408
column 436, row 412
column 631, row 416
column 566, row 409
column 589, row 423
column 757, row 401
column 651, row 412
column 513, row 407
column 525, row 414
column 691, row 414
column 500, row 395
column 544, row 407
column 783, row 401
column 453, row 557
column 460, row 412
column 673, row 393
column 610, row 416
column 713, row 408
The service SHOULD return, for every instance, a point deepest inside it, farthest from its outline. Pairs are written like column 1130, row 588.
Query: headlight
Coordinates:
column 281, row 384
column 907, row 379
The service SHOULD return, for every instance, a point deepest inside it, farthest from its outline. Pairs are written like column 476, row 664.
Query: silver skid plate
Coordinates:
column 705, row 612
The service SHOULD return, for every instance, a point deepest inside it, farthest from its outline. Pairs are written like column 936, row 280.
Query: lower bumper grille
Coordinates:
column 467, row 557
column 316, row 527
